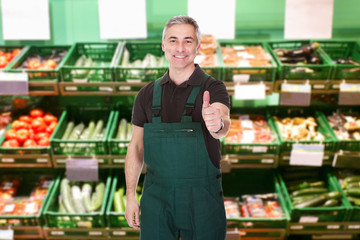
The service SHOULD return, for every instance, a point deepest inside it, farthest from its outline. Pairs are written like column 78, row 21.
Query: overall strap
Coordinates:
column 190, row 103
column 156, row 105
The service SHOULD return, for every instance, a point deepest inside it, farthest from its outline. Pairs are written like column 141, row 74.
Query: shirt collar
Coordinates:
column 194, row 80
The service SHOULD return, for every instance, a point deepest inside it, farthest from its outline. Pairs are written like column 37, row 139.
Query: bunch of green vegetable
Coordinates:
column 120, row 198
column 351, row 186
column 80, row 198
column 85, row 69
column 124, row 131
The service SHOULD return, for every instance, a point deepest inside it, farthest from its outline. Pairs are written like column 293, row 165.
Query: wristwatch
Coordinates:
column 222, row 126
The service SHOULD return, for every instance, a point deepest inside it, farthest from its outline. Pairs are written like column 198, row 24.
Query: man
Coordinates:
column 178, row 120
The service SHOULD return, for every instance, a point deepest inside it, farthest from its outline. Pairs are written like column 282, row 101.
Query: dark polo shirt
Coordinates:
column 173, row 104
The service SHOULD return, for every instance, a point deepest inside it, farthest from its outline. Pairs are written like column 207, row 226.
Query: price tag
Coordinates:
column 241, row 78
column 249, row 92
column 295, row 94
column 307, row 155
column 308, row 219
column 349, row 94
column 83, row 170
column 7, row 234
column 248, row 136
column 14, row 84
column 247, row 124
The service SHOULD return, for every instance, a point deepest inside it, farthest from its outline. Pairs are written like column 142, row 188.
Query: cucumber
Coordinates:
column 129, row 130
column 121, row 134
column 333, row 195
column 117, row 202
column 309, row 191
column 66, row 195
column 97, row 130
column 312, row 202
column 75, row 134
column 101, row 135
column 347, row 180
column 77, row 199
column 98, row 196
column 331, row 203
column 68, row 130
column 354, row 200
column 297, row 200
column 306, row 185
column 122, row 195
column 353, row 184
column 86, row 196
column 353, row 192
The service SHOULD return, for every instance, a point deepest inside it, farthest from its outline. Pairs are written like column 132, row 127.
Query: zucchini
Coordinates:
column 76, row 132
column 347, row 180
column 86, row 196
column 333, row 195
column 98, row 196
column 117, row 202
column 312, row 202
column 353, row 184
column 68, row 130
column 297, row 200
column 354, row 200
column 129, row 130
column 331, row 203
column 77, row 199
column 66, row 195
column 309, row 191
column 306, row 185
column 354, row 192
column 122, row 195
column 121, row 134
column 98, row 129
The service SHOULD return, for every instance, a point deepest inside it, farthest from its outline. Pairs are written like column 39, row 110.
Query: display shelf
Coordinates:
column 317, row 86
column 39, row 88
column 123, row 233
column 230, row 87
column 104, row 161
column 324, row 228
column 75, row 233
column 87, row 89
column 248, row 161
column 24, row 160
column 28, row 232
column 254, row 234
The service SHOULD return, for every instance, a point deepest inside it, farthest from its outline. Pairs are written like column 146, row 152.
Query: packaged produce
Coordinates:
column 261, row 206
column 298, row 128
column 232, row 208
column 346, row 126
column 5, row 119
column 250, row 129
column 207, row 54
column 245, row 56
column 6, row 57
column 30, row 131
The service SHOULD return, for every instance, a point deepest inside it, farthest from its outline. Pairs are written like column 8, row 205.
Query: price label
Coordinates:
column 83, row 170
column 241, row 78
column 249, row 92
column 247, row 124
column 14, row 84
column 248, row 136
column 308, row 219
column 349, row 94
column 295, row 94
column 7, row 234
column 307, row 155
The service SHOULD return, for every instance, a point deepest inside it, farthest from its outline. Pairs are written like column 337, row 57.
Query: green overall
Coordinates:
column 182, row 194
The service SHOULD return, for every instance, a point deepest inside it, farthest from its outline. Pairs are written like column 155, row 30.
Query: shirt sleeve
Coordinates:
column 218, row 92
column 138, row 113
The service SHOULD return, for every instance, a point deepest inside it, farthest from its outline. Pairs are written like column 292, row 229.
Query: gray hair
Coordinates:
column 182, row 19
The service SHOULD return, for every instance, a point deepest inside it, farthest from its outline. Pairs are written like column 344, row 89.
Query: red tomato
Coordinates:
column 36, row 113
column 3, row 61
column 8, row 56
column 31, row 134
column 29, row 143
column 19, row 125
column 34, row 64
column 38, row 125
column 51, row 127
column 45, row 141
column 15, row 52
column 41, row 135
column 50, row 63
column 2, row 53
column 49, row 118
column 22, row 135
column 12, row 143
column 25, row 118
column 10, row 134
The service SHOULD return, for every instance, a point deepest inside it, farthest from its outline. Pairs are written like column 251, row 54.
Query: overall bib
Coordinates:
column 182, row 194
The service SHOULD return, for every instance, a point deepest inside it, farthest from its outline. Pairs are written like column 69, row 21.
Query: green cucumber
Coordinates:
column 129, row 130
column 312, row 202
column 306, row 185
column 68, row 130
column 354, row 200
column 309, row 191
column 98, row 196
column 117, row 202
column 347, row 180
column 77, row 199
column 98, row 129
column 333, row 195
column 121, row 134
column 86, row 196
column 353, row 184
column 354, row 192
column 65, row 192
column 331, row 203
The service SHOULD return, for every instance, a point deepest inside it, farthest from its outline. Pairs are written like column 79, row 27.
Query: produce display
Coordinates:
column 207, row 54
column 12, row 202
column 38, row 62
column 149, row 61
column 300, row 56
column 245, row 56
column 250, row 129
column 31, row 131
column 5, row 119
column 83, row 75
column 120, row 198
column 345, row 126
column 349, row 181
column 298, row 128
column 254, row 206
column 6, row 57
column 76, row 197
column 124, row 131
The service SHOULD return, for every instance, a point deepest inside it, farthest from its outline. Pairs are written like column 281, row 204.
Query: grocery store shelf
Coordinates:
column 29, row 232
column 317, row 86
column 104, row 161
column 43, row 88
column 75, row 233
column 252, row 234
column 230, row 86
column 25, row 161
column 250, row 161
column 334, row 85
column 325, row 228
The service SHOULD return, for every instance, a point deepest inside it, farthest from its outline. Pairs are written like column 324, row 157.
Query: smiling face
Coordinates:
column 180, row 46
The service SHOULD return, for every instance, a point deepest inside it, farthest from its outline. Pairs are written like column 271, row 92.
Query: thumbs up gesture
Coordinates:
column 210, row 114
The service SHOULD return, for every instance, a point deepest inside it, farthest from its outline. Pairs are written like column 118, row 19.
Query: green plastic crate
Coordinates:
column 81, row 147
column 318, row 214
column 7, row 49
column 286, row 71
column 343, row 49
column 75, row 220
column 138, row 50
column 103, row 56
column 39, row 75
column 255, row 74
column 116, row 147
column 28, row 181
column 255, row 181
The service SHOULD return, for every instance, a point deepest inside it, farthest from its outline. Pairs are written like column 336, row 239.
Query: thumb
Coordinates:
column 206, row 99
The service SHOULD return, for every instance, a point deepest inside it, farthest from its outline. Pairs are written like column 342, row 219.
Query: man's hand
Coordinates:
column 132, row 212
column 210, row 114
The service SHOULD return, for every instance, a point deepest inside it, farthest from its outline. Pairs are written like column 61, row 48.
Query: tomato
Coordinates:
column 51, row 127
column 22, row 135
column 36, row 113
column 19, row 124
column 51, row 63
column 45, row 141
column 49, row 118
column 8, row 56
column 31, row 134
column 10, row 134
column 2, row 53
column 20, row 103
column 3, row 61
column 29, row 143
column 41, row 135
column 25, row 118
column 11, row 143
column 38, row 125
column 15, row 52
column 34, row 64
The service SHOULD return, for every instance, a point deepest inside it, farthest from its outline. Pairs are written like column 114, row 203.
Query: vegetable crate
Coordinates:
column 301, row 71
column 329, row 142
column 31, row 191
column 257, row 146
column 56, row 219
column 145, row 69
column 9, row 53
column 211, row 64
column 255, row 182
column 346, row 58
column 118, row 142
column 75, row 145
column 312, row 213
column 256, row 64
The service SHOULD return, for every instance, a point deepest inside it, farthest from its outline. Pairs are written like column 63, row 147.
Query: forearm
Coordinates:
column 225, row 129
column 133, row 165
